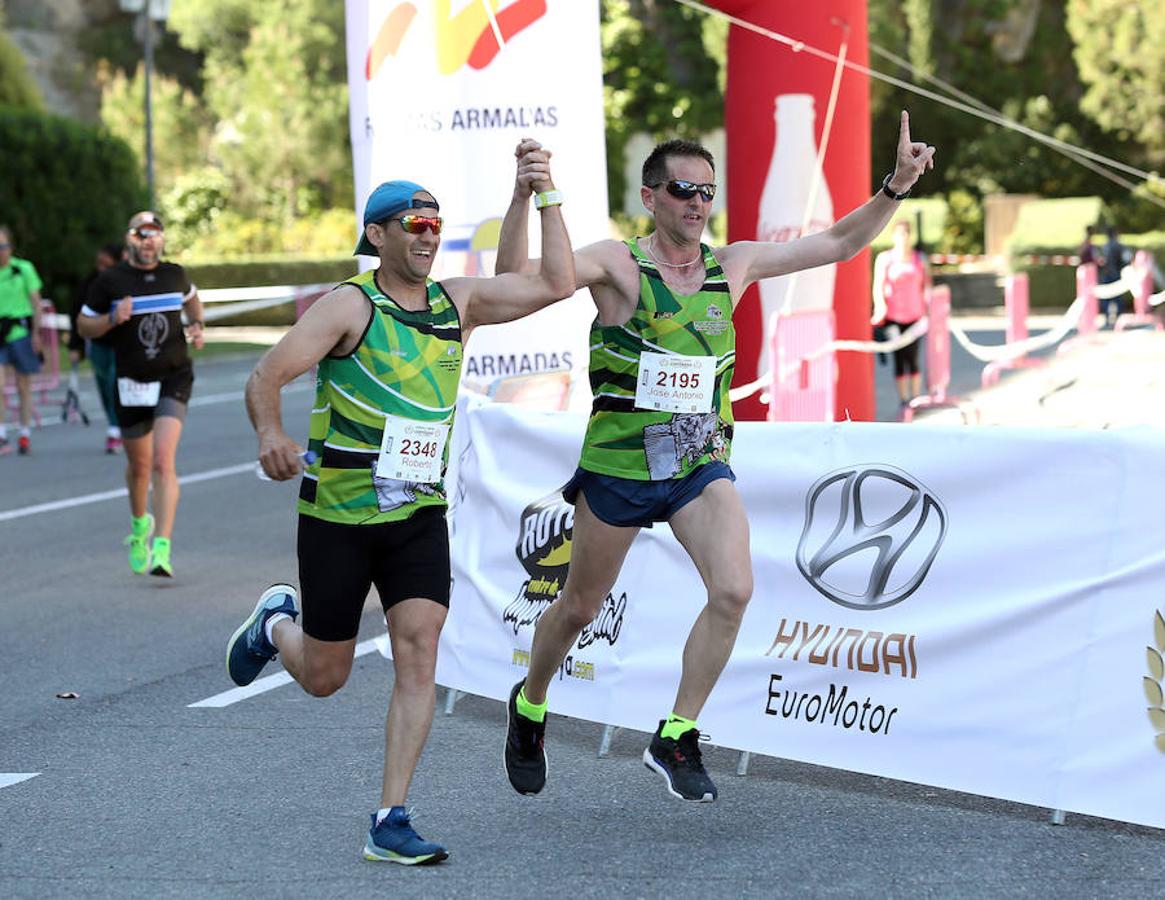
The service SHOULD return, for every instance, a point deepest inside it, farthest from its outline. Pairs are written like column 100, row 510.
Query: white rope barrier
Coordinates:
column 908, row 337
column 241, row 300
column 985, row 353
column 994, row 353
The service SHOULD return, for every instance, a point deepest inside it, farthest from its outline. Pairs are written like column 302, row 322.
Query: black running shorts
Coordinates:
column 339, row 563
column 173, row 397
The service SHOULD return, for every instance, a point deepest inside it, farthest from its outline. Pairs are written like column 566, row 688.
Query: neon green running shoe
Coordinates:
column 160, row 557
column 138, row 541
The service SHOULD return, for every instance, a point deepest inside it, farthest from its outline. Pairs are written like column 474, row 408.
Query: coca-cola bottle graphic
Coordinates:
column 795, row 201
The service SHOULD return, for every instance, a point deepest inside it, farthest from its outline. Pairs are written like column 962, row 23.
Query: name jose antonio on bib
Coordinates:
column 673, row 383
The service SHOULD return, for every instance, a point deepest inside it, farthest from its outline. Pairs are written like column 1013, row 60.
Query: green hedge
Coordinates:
column 1058, row 222
column 1050, row 287
column 1054, row 287
column 65, row 189
column 269, row 270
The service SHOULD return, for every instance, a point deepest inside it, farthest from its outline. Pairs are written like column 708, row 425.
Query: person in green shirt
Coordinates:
column 658, row 442
column 387, row 345
column 19, row 335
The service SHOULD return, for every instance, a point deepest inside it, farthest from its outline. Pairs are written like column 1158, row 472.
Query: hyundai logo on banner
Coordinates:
column 871, row 534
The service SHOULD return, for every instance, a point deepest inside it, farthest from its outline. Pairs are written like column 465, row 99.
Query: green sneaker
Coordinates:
column 138, row 541
column 160, row 556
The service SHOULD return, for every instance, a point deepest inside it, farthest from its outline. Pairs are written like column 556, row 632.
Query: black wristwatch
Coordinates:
column 889, row 192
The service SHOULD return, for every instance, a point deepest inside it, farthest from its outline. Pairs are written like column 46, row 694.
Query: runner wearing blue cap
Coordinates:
column 388, row 346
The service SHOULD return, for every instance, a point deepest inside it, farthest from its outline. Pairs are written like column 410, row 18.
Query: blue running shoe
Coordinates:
column 248, row 650
column 394, row 840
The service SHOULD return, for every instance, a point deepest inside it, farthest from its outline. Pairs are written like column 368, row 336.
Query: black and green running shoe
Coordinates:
column 678, row 761
column 525, row 756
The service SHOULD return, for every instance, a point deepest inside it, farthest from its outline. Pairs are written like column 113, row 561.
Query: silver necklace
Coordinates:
column 659, row 262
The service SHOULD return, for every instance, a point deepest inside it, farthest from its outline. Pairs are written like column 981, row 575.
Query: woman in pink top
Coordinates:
column 901, row 279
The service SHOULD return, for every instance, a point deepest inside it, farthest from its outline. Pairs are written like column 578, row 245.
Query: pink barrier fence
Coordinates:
column 1086, row 278
column 1015, row 300
column 1142, row 313
column 797, row 345
column 805, row 372
column 49, row 377
column 938, row 356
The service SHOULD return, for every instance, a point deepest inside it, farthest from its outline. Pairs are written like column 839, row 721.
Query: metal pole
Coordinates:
column 149, row 54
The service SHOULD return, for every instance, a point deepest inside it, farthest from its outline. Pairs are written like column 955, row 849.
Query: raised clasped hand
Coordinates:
column 533, row 168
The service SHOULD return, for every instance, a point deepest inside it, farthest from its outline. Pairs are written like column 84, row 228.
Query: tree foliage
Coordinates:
column 53, row 170
column 181, row 125
column 1120, row 52
column 17, row 89
column 251, row 102
column 663, row 73
column 276, row 84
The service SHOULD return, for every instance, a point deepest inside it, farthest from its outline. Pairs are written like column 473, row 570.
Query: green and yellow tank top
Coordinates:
column 407, row 364
column 645, row 444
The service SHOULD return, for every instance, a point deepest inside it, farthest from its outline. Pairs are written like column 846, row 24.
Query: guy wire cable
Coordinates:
column 997, row 119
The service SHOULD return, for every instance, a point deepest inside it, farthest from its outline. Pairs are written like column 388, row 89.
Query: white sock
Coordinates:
column 25, row 431
column 382, row 813
column 113, row 431
column 269, row 628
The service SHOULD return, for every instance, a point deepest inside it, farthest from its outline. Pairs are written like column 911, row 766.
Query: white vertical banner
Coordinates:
column 440, row 94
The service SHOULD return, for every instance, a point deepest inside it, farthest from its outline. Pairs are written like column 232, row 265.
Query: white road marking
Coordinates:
column 270, row 682
column 86, row 499
column 296, row 386
column 7, row 779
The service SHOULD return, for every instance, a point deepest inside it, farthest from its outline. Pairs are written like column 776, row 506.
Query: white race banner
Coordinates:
column 440, row 94
column 980, row 610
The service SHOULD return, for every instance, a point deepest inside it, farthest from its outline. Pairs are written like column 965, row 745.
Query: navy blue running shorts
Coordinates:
column 20, row 355
column 627, row 503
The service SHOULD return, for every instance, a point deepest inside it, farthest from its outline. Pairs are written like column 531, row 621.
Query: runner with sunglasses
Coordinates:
column 665, row 305
column 137, row 306
column 388, row 346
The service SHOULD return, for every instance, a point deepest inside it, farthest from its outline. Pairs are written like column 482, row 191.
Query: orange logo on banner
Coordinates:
column 466, row 38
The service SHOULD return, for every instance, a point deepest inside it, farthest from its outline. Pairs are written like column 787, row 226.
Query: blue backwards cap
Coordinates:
column 387, row 200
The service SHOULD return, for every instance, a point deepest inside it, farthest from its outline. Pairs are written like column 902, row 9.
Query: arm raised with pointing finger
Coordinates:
column 749, row 261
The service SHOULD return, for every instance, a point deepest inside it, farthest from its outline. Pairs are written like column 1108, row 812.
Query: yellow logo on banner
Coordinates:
column 1153, row 681
column 466, row 38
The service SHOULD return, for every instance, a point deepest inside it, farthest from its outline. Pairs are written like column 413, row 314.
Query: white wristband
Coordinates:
column 547, row 198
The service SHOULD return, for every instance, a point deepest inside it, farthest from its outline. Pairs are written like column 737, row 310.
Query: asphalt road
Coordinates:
column 139, row 794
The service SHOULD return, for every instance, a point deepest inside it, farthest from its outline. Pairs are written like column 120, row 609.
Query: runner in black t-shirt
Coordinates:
column 138, row 305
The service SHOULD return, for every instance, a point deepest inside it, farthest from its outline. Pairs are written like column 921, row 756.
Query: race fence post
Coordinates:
column 938, row 356
column 804, row 371
column 1142, row 314
column 605, row 741
column 1016, row 304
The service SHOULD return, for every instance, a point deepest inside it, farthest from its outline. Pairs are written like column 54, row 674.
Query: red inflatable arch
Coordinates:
column 771, row 181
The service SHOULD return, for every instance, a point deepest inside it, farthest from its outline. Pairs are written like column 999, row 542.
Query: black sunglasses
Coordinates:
column 686, row 190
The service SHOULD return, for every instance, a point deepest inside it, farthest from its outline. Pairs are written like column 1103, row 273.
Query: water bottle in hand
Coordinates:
column 307, row 456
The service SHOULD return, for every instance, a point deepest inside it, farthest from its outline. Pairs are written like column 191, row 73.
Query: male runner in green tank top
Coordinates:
column 388, row 345
column 658, row 441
